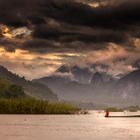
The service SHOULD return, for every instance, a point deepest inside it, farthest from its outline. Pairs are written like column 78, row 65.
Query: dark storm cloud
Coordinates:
column 15, row 12
column 62, row 34
column 119, row 16
column 73, row 21
column 9, row 46
column 38, row 46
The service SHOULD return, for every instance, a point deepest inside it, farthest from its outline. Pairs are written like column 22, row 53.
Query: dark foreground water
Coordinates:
column 68, row 127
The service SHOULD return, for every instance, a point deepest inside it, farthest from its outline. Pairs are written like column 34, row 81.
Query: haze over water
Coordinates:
column 68, row 127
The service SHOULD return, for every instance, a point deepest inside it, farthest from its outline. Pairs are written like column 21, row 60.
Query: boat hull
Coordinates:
column 123, row 116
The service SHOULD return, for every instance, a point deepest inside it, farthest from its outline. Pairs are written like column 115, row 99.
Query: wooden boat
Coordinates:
column 123, row 116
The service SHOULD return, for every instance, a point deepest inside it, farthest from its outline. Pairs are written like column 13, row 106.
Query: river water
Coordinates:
column 69, row 127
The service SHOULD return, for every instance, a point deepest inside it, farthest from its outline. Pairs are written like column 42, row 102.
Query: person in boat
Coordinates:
column 107, row 113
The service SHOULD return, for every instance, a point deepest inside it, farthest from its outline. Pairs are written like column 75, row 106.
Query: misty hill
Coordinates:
column 129, row 86
column 97, row 80
column 70, row 87
column 66, row 75
column 101, row 88
column 82, row 75
column 10, row 91
column 31, row 88
column 67, row 81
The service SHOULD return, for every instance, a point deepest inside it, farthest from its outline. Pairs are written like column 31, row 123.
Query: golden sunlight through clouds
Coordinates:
column 5, row 31
column 137, row 43
column 25, row 63
column 8, row 33
column 26, row 55
column 95, row 5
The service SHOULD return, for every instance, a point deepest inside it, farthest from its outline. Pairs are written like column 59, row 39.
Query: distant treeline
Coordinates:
column 34, row 106
column 129, row 108
column 114, row 109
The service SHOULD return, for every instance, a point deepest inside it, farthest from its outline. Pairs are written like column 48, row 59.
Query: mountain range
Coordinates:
column 33, row 89
column 82, row 84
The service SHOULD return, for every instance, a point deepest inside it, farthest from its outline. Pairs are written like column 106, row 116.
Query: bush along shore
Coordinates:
column 34, row 106
column 113, row 109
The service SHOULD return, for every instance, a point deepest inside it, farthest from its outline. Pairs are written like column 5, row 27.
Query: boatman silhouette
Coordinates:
column 107, row 113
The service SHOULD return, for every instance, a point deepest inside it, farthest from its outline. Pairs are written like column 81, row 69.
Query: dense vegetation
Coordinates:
column 13, row 100
column 133, row 108
column 34, row 106
column 113, row 109
column 10, row 91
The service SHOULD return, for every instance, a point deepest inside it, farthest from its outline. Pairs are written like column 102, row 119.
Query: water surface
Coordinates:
column 68, row 127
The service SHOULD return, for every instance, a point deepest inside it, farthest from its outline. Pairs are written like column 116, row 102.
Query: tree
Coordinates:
column 15, row 91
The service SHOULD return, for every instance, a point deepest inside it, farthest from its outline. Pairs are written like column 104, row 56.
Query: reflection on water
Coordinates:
column 69, row 127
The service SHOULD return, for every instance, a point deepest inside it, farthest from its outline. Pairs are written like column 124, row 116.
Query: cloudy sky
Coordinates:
column 38, row 36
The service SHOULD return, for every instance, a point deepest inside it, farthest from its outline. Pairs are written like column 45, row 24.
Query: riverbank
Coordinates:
column 34, row 106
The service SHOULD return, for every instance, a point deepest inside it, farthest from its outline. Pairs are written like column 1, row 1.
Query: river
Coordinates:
column 93, row 126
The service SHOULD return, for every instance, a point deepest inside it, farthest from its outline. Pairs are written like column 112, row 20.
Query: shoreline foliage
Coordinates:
column 34, row 106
